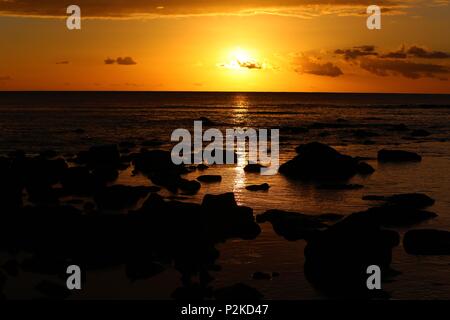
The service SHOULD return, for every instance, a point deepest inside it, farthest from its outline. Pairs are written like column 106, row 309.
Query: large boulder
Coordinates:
column 291, row 225
column 225, row 219
column 427, row 242
column 120, row 196
column 317, row 161
column 336, row 260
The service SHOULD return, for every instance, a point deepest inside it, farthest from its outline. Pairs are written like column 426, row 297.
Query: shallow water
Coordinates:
column 38, row 121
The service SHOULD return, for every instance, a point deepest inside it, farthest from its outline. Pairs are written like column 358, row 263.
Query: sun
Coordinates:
column 241, row 55
column 240, row 59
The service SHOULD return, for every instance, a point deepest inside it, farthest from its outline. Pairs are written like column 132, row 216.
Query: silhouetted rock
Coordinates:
column 189, row 186
column 238, row 291
column 79, row 131
column 98, row 156
column 340, row 186
column 258, row 275
column 209, row 178
column 336, row 259
column 399, row 127
column 127, row 144
column 48, row 154
column 365, row 168
column 317, row 161
column 105, row 174
column 78, row 180
column 291, row 225
column 420, row 133
column 253, row 168
column 397, row 156
column 329, row 217
column 361, row 134
column 53, row 290
column 415, row 200
column 11, row 267
column 119, row 196
column 202, row 167
column 206, row 121
column 158, row 166
column 142, row 269
column 226, row 219
column 399, row 216
column 152, row 143
column 258, row 187
column 427, row 242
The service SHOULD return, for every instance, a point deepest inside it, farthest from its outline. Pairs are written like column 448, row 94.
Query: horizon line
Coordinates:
column 222, row 91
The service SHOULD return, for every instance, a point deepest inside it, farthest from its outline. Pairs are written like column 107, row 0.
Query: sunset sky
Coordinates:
column 257, row 45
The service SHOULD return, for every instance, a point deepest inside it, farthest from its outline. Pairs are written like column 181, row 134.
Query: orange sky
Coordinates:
column 303, row 45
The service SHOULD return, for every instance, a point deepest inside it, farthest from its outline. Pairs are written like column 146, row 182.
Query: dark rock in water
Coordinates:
column 399, row 127
column 189, row 186
column 127, row 144
column 369, row 142
column 202, row 167
column 206, row 121
column 11, row 267
column 365, row 168
column 275, row 274
column 364, row 134
column 258, row 275
column 317, row 161
column 226, row 219
column 209, row 178
column 79, row 131
column 259, row 187
column 415, row 200
column 253, row 168
column 142, row 269
column 192, row 292
column 53, row 290
column 420, row 133
column 98, row 156
column 399, row 216
column 158, row 166
column 397, row 156
column 44, row 194
column 427, row 242
column 291, row 225
column 340, row 186
column 293, row 130
column 48, row 154
column 120, row 196
column 238, row 291
column 156, row 161
column 329, row 217
column 105, row 174
column 152, row 143
column 336, row 259
column 78, row 180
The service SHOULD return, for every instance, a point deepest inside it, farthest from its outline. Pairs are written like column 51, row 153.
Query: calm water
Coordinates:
column 37, row 121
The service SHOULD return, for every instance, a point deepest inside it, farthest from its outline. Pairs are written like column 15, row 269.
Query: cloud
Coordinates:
column 110, row 61
column 62, row 62
column 408, row 69
column 126, row 61
column 309, row 65
column 5, row 78
column 356, row 52
column 158, row 8
column 419, row 52
column 250, row 65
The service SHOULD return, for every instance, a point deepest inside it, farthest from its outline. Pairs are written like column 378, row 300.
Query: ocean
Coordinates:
column 354, row 124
